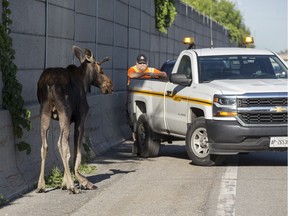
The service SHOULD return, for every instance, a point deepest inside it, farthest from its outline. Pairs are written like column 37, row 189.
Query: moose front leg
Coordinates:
column 78, row 135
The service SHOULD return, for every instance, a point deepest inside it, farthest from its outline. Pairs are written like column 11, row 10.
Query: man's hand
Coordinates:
column 157, row 75
column 160, row 74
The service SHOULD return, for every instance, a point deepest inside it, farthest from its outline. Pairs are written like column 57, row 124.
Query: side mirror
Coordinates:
column 180, row 79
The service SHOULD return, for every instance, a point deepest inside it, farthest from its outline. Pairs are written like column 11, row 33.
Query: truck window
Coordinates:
column 185, row 67
column 240, row 67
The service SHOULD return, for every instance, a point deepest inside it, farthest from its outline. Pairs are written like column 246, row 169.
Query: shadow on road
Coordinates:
column 171, row 150
column 98, row 178
column 123, row 154
column 263, row 159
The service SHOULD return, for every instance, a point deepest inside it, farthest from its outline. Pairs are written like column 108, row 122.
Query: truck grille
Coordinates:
column 262, row 110
column 256, row 102
column 263, row 118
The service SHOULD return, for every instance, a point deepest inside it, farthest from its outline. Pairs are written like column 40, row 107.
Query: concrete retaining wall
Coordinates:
column 43, row 33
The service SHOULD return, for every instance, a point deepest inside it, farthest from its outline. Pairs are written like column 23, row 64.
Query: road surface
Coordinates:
column 249, row 184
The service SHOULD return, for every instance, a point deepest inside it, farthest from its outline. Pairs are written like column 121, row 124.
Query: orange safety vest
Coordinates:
column 134, row 69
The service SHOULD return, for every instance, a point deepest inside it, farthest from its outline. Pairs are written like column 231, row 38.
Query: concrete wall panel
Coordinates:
column 62, row 4
column 120, row 13
column 87, row 7
column 32, row 19
column 120, row 35
column 30, row 51
column 134, row 18
column 59, row 53
column 61, row 22
column 106, row 9
column 1, row 87
column 85, row 28
column 144, row 41
column 28, row 78
column 145, row 22
column 134, row 35
column 120, row 58
column 105, row 32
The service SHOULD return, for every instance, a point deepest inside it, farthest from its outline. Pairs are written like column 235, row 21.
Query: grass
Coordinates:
column 3, row 200
column 54, row 179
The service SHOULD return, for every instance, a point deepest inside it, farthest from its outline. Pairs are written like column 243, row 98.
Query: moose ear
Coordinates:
column 78, row 53
column 88, row 55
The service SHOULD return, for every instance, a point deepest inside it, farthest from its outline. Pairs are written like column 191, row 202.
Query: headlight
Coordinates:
column 224, row 106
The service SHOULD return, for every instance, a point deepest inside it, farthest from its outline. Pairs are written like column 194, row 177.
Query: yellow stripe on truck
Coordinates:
column 178, row 98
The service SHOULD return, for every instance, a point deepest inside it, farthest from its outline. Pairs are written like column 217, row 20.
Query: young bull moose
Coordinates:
column 61, row 93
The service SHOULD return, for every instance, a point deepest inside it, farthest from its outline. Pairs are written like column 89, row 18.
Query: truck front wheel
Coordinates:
column 147, row 146
column 197, row 145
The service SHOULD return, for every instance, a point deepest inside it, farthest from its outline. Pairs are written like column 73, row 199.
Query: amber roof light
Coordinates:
column 248, row 40
column 188, row 40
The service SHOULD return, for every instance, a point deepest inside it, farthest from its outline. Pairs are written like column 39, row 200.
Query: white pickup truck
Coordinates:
column 222, row 101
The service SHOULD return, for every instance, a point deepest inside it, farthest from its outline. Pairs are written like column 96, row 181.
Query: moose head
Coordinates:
column 94, row 74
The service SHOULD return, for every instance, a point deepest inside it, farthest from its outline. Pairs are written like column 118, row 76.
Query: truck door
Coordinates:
column 176, row 100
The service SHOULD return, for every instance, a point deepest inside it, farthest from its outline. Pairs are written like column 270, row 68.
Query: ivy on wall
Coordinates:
column 165, row 12
column 11, row 92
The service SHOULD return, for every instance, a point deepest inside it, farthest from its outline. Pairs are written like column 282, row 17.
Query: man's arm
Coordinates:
column 137, row 75
column 158, row 74
column 161, row 74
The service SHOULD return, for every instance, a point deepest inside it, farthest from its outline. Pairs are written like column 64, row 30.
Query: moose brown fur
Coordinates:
column 61, row 93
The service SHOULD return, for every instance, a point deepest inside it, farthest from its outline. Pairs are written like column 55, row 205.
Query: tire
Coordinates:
column 197, row 145
column 146, row 145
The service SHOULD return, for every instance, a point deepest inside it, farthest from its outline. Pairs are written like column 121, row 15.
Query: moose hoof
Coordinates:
column 40, row 190
column 89, row 186
column 93, row 187
column 74, row 191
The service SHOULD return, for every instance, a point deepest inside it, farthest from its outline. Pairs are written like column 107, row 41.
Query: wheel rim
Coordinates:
column 199, row 143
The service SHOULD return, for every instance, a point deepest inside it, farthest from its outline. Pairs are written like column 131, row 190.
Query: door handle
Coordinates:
column 169, row 92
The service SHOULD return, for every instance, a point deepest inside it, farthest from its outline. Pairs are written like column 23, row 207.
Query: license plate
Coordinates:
column 278, row 142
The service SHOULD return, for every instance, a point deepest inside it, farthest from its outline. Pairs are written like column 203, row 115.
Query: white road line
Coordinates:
column 227, row 196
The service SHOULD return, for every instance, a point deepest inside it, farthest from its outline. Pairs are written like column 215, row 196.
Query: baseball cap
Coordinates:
column 141, row 59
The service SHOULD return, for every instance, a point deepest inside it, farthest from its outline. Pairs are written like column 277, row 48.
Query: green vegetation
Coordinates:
column 11, row 92
column 224, row 12
column 86, row 158
column 3, row 200
column 165, row 13
column 54, row 180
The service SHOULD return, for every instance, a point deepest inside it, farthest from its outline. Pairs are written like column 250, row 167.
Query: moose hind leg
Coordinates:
column 63, row 145
column 44, row 121
column 78, row 135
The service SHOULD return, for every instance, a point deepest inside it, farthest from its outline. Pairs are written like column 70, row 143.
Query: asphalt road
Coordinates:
column 249, row 184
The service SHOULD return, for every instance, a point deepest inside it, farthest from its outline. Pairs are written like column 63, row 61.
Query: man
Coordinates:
column 141, row 70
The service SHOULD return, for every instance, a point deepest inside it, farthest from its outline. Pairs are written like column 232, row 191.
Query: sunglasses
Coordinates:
column 142, row 63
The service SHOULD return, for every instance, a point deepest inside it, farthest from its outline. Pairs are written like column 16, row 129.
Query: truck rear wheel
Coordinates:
column 147, row 146
column 197, row 145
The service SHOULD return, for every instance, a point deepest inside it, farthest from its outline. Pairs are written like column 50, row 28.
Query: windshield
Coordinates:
column 240, row 67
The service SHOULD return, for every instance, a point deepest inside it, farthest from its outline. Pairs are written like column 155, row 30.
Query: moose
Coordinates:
column 62, row 94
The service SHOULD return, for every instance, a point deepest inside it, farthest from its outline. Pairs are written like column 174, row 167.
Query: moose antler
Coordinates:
column 104, row 60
